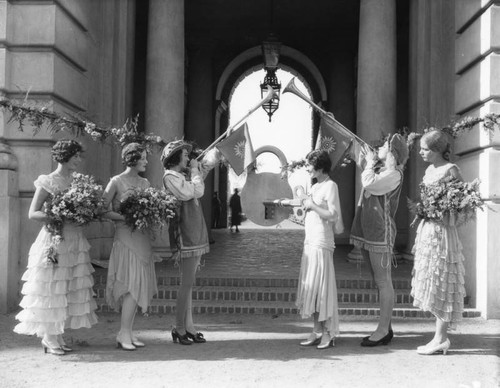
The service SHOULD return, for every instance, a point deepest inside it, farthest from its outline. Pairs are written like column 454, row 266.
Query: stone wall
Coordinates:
column 73, row 57
column 477, row 92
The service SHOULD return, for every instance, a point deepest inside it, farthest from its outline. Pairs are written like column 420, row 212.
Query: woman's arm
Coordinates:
column 108, row 196
column 185, row 190
column 330, row 214
column 380, row 183
column 35, row 212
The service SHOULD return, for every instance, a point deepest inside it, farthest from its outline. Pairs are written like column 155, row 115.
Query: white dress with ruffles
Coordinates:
column 438, row 269
column 131, row 263
column 317, row 287
column 57, row 296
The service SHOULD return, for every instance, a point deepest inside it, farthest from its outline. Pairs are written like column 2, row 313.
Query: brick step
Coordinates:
column 256, row 282
column 262, row 307
column 270, row 294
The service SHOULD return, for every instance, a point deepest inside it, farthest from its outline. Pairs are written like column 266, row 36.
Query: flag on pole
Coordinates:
column 237, row 149
column 338, row 141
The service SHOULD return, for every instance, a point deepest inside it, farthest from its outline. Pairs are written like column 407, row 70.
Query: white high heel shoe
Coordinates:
column 432, row 349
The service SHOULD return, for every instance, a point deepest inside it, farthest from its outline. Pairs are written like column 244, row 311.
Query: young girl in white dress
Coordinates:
column 438, row 272
column 131, row 280
column 59, row 295
column 317, row 288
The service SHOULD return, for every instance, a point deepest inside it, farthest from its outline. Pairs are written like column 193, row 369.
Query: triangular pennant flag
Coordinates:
column 338, row 141
column 237, row 149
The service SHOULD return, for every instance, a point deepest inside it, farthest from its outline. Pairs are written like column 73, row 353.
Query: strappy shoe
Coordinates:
column 197, row 338
column 313, row 340
column 47, row 348
column 327, row 341
column 183, row 339
column 137, row 343
column 124, row 345
column 432, row 349
column 62, row 344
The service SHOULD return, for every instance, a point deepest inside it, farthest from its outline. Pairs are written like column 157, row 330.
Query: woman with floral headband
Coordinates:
column 57, row 295
column 131, row 278
column 183, row 178
column 438, row 272
column 374, row 228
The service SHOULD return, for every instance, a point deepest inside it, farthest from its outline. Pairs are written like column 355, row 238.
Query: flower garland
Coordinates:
column 37, row 117
column 79, row 204
column 490, row 121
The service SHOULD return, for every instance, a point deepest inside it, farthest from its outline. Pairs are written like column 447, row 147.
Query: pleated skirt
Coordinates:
column 57, row 296
column 317, row 288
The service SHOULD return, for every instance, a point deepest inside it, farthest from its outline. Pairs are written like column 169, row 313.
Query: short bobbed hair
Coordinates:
column 132, row 153
column 319, row 160
column 65, row 149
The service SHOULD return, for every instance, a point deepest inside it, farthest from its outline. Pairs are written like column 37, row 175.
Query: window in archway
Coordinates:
column 290, row 129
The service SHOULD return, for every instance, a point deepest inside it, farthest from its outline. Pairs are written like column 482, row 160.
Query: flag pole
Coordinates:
column 293, row 89
column 270, row 94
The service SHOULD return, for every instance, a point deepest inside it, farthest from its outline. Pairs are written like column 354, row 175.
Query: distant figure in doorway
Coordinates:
column 216, row 210
column 235, row 205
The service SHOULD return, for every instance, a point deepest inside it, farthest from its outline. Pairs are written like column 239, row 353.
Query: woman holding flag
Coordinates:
column 374, row 228
column 183, row 178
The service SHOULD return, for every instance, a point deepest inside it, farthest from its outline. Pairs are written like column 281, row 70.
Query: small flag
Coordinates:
column 338, row 141
column 237, row 149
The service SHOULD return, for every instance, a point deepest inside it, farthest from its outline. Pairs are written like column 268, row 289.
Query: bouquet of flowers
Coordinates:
column 450, row 202
column 148, row 208
column 79, row 204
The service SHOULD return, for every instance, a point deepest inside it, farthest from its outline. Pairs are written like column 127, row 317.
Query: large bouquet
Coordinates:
column 79, row 204
column 148, row 208
column 448, row 202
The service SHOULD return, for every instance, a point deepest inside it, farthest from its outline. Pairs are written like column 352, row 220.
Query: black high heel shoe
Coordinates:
column 196, row 338
column 367, row 342
column 183, row 339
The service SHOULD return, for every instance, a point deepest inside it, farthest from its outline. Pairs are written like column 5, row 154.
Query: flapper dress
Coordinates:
column 131, row 263
column 317, row 288
column 438, row 270
column 57, row 296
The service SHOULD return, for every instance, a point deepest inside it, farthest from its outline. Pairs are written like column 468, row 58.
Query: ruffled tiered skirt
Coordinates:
column 131, row 269
column 317, row 288
column 438, row 272
column 57, row 296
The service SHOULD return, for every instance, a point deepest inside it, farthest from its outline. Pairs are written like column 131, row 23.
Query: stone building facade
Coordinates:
column 378, row 65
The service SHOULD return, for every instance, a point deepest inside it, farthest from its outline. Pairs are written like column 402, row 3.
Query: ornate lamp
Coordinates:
column 271, row 53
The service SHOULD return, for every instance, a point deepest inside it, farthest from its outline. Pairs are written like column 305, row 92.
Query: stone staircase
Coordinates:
column 274, row 296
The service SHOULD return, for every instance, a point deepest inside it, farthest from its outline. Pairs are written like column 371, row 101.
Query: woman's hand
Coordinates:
column 308, row 204
column 371, row 157
column 193, row 164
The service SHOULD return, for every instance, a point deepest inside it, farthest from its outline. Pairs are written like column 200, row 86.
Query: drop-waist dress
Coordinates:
column 57, row 296
column 131, row 263
column 438, row 269
column 317, row 287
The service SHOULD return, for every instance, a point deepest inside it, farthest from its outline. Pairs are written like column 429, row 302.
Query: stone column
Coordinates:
column 199, row 118
column 10, row 228
column 164, row 77
column 376, row 89
column 164, row 86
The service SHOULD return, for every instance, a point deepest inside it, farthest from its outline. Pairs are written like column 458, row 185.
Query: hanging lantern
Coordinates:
column 271, row 53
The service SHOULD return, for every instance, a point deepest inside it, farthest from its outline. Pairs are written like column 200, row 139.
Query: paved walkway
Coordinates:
column 255, row 351
column 273, row 252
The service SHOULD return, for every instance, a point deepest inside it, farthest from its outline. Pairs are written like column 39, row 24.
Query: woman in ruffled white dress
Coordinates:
column 58, row 295
column 438, row 272
column 317, row 288
column 131, row 279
